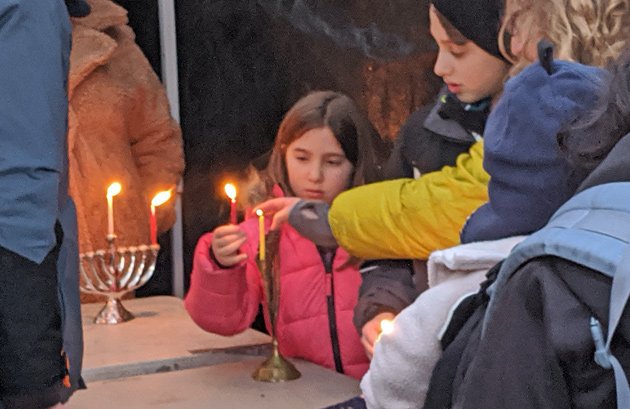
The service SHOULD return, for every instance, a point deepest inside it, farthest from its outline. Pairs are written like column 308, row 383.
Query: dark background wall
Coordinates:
column 243, row 63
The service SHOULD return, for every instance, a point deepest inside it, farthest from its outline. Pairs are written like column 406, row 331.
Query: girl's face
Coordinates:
column 470, row 73
column 317, row 166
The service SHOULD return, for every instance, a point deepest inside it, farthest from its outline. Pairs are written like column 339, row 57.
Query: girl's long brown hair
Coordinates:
column 360, row 141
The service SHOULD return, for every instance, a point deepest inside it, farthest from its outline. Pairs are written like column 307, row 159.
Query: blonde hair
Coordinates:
column 592, row 32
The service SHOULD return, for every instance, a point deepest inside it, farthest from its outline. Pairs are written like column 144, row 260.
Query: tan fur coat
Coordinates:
column 120, row 129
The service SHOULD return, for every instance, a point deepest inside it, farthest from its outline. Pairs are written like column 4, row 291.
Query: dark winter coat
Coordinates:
column 538, row 351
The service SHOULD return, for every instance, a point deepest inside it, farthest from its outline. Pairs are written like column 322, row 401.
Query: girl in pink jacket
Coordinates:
column 323, row 147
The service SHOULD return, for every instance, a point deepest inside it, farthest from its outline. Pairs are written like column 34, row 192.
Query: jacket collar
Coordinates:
column 451, row 119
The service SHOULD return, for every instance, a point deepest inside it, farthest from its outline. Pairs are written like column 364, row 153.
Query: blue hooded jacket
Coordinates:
column 530, row 178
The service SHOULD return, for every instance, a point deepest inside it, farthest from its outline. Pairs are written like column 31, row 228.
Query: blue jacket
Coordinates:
column 35, row 38
column 529, row 176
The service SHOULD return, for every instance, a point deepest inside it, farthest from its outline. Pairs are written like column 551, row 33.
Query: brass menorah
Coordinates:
column 276, row 368
column 114, row 271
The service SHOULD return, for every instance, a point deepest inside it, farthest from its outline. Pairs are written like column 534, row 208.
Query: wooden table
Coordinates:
column 161, row 338
column 222, row 386
column 161, row 359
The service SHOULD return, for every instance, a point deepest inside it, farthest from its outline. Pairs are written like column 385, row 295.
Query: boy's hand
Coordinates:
column 280, row 208
column 226, row 241
column 372, row 330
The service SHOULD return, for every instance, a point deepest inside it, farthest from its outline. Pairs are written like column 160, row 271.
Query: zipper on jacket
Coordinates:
column 328, row 255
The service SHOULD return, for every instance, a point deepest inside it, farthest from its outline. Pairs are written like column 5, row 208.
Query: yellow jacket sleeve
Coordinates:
column 410, row 218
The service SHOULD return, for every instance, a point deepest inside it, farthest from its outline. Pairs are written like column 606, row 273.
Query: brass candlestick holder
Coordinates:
column 276, row 368
column 114, row 272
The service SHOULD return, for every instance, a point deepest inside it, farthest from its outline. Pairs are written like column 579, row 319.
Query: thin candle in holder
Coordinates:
column 113, row 190
column 275, row 368
column 158, row 200
column 230, row 191
column 261, row 234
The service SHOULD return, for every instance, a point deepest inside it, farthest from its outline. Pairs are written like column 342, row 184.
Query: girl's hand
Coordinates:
column 226, row 241
column 372, row 330
column 280, row 208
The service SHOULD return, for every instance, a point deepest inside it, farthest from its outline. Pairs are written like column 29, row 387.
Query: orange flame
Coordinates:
column 230, row 191
column 114, row 189
column 387, row 326
column 161, row 198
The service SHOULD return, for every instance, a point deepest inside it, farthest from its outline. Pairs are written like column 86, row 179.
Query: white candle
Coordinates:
column 112, row 191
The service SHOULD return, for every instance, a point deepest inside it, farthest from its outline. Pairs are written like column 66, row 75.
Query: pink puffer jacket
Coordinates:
column 225, row 301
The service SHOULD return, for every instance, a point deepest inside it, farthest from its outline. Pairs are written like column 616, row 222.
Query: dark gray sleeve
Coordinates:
column 387, row 286
column 310, row 219
column 396, row 166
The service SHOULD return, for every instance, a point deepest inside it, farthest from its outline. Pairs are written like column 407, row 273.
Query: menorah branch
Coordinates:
column 115, row 271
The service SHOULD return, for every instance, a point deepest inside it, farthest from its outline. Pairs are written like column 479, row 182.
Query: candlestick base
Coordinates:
column 113, row 313
column 276, row 368
column 114, row 272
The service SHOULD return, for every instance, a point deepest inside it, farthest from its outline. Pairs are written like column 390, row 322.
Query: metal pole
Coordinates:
column 168, row 42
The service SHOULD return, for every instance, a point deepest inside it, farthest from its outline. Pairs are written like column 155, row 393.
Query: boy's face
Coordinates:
column 469, row 72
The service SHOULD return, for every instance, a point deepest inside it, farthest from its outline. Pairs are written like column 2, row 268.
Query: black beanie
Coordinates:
column 478, row 20
column 78, row 8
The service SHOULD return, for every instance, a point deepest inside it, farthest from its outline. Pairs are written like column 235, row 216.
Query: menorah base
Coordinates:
column 113, row 313
column 276, row 369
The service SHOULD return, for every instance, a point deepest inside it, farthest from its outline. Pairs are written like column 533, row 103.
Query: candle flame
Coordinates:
column 387, row 326
column 259, row 213
column 114, row 189
column 230, row 191
column 161, row 198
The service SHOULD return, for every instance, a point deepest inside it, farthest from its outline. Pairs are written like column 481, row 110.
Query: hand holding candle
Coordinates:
column 230, row 191
column 372, row 330
column 261, row 234
column 158, row 200
column 113, row 190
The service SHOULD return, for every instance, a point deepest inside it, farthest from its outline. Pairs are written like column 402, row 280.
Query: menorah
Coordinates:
column 276, row 368
column 114, row 272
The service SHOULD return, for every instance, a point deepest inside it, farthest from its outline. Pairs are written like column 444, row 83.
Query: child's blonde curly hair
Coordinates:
column 592, row 32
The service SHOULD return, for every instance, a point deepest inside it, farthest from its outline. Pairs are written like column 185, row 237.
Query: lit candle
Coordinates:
column 261, row 234
column 158, row 200
column 230, row 191
column 112, row 191
column 387, row 327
